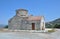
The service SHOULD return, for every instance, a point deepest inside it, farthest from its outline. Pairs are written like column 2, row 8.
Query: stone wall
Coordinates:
column 22, row 24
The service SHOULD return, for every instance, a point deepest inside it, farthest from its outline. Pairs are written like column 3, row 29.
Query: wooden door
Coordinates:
column 33, row 26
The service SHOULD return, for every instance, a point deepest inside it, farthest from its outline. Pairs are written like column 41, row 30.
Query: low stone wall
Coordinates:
column 33, row 31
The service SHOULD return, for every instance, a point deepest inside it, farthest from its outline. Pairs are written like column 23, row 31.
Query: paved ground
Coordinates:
column 27, row 35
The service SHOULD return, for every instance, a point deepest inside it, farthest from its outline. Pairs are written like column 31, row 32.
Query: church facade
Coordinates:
column 23, row 21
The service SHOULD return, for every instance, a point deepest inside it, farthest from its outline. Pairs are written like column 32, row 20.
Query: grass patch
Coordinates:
column 52, row 30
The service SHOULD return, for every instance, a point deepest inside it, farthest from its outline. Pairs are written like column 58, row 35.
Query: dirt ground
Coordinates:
column 29, row 35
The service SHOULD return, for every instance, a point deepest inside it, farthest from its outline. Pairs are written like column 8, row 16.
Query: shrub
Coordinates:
column 51, row 30
column 56, row 26
column 6, row 26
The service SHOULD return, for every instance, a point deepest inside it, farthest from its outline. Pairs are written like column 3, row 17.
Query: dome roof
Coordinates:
column 22, row 10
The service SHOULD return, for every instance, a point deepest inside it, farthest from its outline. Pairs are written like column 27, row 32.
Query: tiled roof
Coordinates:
column 34, row 18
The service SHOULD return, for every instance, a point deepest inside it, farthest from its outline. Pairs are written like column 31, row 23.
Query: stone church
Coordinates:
column 23, row 21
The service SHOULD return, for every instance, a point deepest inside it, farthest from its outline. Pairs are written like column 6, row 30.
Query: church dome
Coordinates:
column 22, row 12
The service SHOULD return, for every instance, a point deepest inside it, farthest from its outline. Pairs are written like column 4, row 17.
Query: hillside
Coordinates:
column 56, row 21
column 52, row 23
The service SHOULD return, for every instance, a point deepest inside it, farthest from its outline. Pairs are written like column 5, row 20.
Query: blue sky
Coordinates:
column 50, row 9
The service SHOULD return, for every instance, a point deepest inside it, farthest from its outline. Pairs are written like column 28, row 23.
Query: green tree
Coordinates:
column 6, row 26
column 57, row 26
